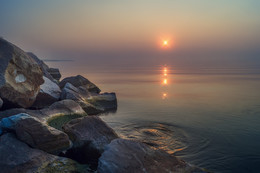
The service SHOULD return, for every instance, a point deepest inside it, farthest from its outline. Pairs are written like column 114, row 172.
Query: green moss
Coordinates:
column 58, row 121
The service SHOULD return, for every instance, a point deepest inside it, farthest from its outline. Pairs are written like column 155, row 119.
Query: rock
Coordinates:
column 106, row 101
column 40, row 136
column 18, row 157
column 1, row 103
column 89, row 135
column 49, row 93
column 128, row 156
column 20, row 76
column 61, row 108
column 55, row 73
column 44, row 67
column 80, row 81
column 9, row 123
column 80, row 95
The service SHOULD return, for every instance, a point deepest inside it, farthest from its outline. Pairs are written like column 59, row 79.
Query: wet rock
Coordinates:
column 80, row 81
column 107, row 101
column 89, row 135
column 40, row 136
column 128, row 156
column 55, row 73
column 17, row 157
column 64, row 107
column 20, row 76
column 80, row 95
column 49, row 93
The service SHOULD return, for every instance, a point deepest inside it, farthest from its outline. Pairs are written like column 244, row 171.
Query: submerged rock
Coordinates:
column 80, row 81
column 107, row 101
column 17, row 157
column 89, row 135
column 20, row 76
column 128, row 156
column 49, row 93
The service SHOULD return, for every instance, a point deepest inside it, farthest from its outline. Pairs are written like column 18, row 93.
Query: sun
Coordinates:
column 165, row 42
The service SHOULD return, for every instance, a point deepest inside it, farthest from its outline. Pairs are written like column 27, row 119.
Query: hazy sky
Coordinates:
column 120, row 32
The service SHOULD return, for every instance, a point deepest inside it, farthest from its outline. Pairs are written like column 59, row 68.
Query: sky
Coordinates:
column 120, row 33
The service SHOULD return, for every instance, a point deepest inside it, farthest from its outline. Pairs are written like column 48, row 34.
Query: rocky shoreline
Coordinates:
column 48, row 125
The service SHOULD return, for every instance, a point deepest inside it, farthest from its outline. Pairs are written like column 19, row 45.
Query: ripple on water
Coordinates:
column 158, row 135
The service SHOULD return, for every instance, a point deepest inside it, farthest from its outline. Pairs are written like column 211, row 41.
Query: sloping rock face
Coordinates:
column 20, row 76
column 55, row 73
column 17, row 157
column 49, row 93
column 64, row 107
column 89, row 135
column 50, row 73
column 128, row 156
column 80, row 95
column 40, row 136
column 80, row 81
column 107, row 101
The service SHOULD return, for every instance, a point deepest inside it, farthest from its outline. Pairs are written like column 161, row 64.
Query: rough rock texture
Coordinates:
column 107, row 101
column 40, row 136
column 80, row 95
column 55, row 73
column 89, row 135
column 17, row 157
column 1, row 103
column 9, row 123
column 49, row 93
column 80, row 81
column 128, row 156
column 64, row 107
column 20, row 76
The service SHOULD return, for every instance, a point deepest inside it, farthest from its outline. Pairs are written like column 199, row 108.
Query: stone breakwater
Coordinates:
column 48, row 125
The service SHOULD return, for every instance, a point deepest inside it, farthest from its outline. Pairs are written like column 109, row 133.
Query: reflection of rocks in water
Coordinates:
column 157, row 135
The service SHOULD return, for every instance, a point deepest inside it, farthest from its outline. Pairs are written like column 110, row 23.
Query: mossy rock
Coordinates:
column 58, row 121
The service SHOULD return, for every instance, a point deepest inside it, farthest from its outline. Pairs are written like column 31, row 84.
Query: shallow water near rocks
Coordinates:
column 209, row 120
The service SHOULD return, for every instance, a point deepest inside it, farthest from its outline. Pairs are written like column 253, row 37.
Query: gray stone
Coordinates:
column 107, row 101
column 20, row 76
column 64, row 107
column 128, row 156
column 40, row 136
column 81, row 96
column 80, row 81
column 55, row 73
column 17, row 157
column 89, row 135
column 49, row 93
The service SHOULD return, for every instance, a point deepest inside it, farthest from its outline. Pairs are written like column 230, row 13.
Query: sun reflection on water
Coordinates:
column 164, row 82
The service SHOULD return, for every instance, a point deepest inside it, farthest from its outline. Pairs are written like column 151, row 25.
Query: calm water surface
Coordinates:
column 209, row 120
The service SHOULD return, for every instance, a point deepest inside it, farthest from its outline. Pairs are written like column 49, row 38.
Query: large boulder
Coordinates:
column 81, row 96
column 60, row 108
column 80, row 81
column 20, row 76
column 128, row 156
column 49, row 93
column 17, row 157
column 36, row 134
column 89, row 135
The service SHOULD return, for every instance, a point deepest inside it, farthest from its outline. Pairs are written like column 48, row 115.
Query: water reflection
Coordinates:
column 165, row 82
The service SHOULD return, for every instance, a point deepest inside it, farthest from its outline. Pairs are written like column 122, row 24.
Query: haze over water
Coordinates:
column 205, row 109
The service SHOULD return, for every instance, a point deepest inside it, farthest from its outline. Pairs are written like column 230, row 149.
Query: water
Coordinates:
column 209, row 120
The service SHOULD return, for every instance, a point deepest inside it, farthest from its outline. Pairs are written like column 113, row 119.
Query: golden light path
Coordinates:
column 165, row 82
